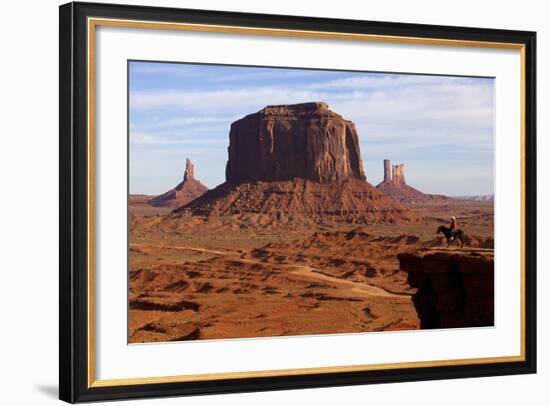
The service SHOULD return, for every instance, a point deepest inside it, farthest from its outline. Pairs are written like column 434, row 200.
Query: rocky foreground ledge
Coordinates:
column 455, row 286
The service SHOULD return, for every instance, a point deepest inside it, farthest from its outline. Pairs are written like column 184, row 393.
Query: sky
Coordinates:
column 440, row 127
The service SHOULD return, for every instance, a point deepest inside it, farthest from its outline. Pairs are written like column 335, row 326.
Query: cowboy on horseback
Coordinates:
column 452, row 233
column 453, row 227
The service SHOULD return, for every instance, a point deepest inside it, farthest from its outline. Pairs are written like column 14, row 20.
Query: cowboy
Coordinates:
column 453, row 227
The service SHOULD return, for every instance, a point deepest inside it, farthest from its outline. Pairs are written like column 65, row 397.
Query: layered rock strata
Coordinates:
column 455, row 286
column 306, row 141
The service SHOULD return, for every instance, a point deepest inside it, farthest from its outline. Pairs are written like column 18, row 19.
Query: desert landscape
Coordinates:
column 298, row 241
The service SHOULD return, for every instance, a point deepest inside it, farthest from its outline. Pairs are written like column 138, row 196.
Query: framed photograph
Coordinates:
column 258, row 202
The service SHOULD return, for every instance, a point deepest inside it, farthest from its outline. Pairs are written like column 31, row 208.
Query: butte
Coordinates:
column 299, row 162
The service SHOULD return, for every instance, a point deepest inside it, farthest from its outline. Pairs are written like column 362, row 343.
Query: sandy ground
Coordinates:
column 215, row 279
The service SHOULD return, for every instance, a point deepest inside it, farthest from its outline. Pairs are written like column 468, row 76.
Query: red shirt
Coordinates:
column 454, row 224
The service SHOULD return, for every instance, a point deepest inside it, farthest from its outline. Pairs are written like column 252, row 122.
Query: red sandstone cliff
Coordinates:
column 306, row 141
column 455, row 286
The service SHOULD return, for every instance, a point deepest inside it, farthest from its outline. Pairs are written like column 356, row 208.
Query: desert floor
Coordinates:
column 219, row 278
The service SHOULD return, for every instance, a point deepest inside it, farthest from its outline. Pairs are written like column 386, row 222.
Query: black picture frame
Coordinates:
column 73, row 284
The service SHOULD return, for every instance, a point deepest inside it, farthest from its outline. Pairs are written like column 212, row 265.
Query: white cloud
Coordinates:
column 140, row 138
column 397, row 116
column 220, row 100
column 377, row 81
column 416, row 110
column 458, row 103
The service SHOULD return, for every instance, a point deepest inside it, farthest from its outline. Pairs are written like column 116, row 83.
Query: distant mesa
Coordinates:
column 395, row 186
column 479, row 198
column 188, row 190
column 296, row 161
column 139, row 200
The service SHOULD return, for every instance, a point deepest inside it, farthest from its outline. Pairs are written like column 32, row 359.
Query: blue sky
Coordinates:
column 441, row 128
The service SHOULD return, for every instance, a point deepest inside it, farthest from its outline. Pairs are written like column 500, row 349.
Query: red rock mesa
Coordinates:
column 297, row 161
column 306, row 141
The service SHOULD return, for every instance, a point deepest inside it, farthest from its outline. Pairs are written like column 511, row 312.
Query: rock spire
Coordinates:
column 185, row 192
column 189, row 170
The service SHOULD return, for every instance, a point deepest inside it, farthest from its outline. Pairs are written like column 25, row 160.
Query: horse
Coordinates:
column 446, row 231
